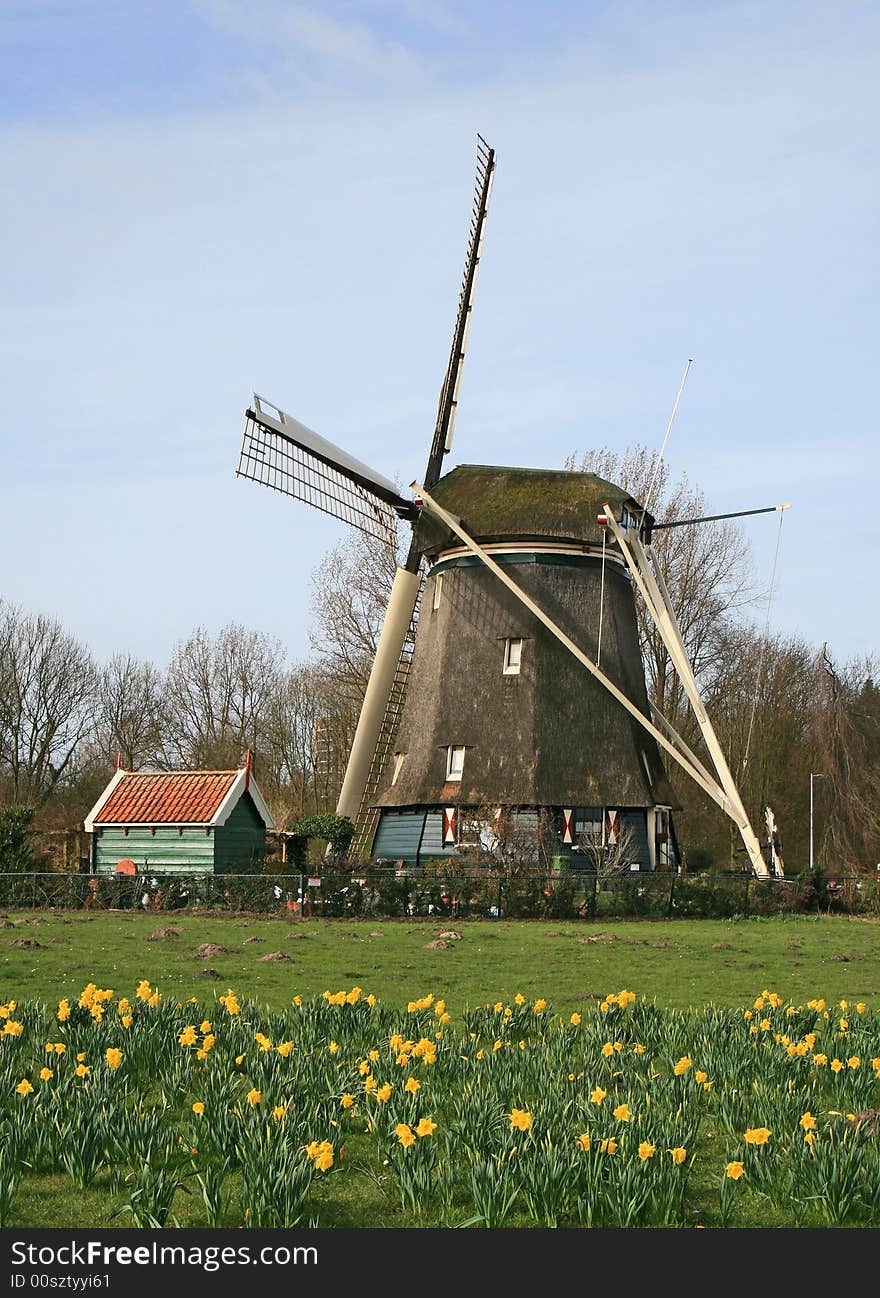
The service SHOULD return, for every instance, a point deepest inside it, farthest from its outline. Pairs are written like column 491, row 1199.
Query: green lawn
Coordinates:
column 689, row 966
column 679, row 963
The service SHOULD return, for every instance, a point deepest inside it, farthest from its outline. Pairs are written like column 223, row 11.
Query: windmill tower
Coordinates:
column 508, row 685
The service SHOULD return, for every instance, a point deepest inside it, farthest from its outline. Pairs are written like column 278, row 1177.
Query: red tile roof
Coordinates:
column 166, row 797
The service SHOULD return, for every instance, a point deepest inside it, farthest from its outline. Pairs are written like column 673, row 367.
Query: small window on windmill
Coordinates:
column 588, row 828
column 454, row 762
column 399, row 759
column 438, row 591
column 512, row 656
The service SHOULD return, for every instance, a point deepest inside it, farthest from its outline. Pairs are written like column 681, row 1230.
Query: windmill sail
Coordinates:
column 278, row 451
column 448, row 405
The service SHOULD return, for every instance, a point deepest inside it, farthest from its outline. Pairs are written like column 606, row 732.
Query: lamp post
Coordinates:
column 814, row 775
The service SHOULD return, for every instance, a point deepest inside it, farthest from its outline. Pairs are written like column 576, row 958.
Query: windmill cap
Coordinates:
column 502, row 503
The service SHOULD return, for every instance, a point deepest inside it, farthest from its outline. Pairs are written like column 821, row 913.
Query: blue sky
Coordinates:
column 207, row 197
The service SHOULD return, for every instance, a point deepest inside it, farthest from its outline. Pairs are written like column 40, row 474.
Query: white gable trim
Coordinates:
column 90, row 818
column 224, row 811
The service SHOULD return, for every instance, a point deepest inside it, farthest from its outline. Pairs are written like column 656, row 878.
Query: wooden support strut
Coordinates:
column 677, row 750
column 645, row 570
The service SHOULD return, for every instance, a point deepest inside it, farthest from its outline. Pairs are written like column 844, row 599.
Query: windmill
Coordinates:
column 478, row 710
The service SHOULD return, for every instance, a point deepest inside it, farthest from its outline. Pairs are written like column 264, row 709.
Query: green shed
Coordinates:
column 179, row 822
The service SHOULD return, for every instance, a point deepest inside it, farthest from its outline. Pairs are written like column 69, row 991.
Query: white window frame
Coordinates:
column 454, row 764
column 438, row 591
column 512, row 668
column 399, row 759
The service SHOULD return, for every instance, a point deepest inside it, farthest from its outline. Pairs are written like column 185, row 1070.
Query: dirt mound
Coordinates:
column 834, row 959
column 163, row 932
column 210, row 973
column 437, row 945
column 28, row 942
column 449, row 935
column 248, row 940
column 598, row 937
column 208, row 950
column 721, row 946
column 275, row 957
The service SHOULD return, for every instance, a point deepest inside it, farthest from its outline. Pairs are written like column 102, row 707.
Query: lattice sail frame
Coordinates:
column 278, row 451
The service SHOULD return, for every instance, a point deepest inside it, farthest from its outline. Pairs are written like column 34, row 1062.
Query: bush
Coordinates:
column 16, row 839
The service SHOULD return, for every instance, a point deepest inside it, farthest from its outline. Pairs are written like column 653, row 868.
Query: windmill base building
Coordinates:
column 503, row 734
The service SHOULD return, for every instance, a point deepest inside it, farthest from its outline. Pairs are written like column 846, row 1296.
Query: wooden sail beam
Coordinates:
column 642, row 563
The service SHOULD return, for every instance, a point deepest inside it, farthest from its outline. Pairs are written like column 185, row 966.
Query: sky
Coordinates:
column 206, row 198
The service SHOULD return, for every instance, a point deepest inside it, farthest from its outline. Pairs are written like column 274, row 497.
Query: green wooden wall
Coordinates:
column 189, row 850
column 240, row 844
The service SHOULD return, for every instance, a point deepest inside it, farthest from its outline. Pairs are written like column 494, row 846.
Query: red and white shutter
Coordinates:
column 567, row 824
column 448, row 825
column 611, row 827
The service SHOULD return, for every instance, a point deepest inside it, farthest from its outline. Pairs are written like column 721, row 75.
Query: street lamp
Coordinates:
column 814, row 775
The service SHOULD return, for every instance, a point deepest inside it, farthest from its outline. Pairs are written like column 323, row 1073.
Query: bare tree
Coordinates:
column 843, row 754
column 217, row 693
column 128, row 710
column 609, row 859
column 509, row 841
column 350, row 592
column 290, row 743
column 707, row 569
column 47, row 685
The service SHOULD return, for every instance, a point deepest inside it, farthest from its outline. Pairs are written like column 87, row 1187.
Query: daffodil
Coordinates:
column 597, row 1095
column 735, row 1170
column 113, row 1057
column 404, row 1134
column 757, row 1136
column 198, row 1108
column 646, row 1150
column 425, row 1127
column 520, row 1119
column 678, row 1155
column 24, row 1087
column 621, row 1113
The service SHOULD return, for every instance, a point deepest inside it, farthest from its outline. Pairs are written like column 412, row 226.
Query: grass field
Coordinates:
column 679, row 963
column 702, row 975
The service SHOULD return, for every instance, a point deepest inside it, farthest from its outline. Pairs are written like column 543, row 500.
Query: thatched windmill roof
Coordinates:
column 500, row 503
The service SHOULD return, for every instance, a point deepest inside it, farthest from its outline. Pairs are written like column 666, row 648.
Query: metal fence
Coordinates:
column 390, row 893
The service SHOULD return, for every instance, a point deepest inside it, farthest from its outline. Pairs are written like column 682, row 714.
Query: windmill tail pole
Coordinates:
column 404, row 594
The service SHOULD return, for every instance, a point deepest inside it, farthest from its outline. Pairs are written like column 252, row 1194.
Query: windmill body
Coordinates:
column 499, row 719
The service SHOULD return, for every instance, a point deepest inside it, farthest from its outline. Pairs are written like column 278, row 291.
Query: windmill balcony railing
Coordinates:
column 383, row 892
